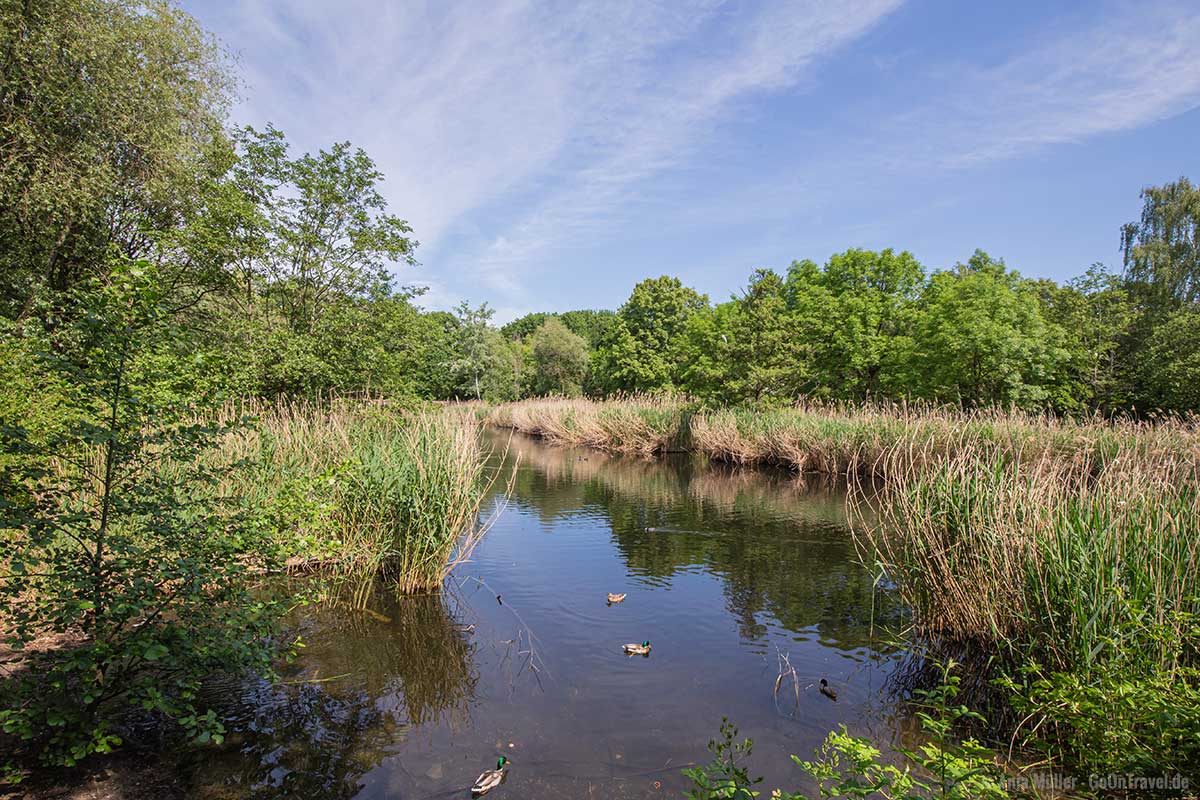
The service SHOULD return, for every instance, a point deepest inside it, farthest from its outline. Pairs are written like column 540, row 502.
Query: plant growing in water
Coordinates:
column 851, row 766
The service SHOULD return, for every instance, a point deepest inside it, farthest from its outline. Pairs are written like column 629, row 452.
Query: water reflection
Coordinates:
column 727, row 572
column 778, row 540
column 366, row 676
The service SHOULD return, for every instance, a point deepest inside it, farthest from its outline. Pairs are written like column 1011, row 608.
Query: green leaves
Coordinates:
column 851, row 766
column 726, row 777
column 121, row 545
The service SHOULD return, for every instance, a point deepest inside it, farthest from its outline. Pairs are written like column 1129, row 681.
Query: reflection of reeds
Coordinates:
column 665, row 483
column 407, row 652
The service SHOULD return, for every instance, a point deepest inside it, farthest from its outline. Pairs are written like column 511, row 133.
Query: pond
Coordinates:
column 727, row 572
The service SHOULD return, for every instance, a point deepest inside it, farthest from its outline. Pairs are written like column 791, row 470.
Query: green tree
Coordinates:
column 747, row 349
column 871, row 297
column 328, row 233
column 981, row 339
column 474, row 353
column 1162, row 249
column 560, row 360
column 115, row 537
column 523, row 327
column 1172, row 369
column 590, row 324
column 1095, row 314
column 111, row 118
column 640, row 352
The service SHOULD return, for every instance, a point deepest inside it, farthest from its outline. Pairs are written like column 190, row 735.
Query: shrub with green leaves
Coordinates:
column 122, row 580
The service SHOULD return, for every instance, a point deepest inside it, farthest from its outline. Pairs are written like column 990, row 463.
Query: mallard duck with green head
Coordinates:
column 642, row 649
column 490, row 778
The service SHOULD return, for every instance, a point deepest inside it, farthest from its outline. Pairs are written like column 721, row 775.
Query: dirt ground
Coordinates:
column 131, row 775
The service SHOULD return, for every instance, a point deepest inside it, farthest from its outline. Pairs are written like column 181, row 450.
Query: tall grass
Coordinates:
column 1065, row 558
column 643, row 426
column 358, row 488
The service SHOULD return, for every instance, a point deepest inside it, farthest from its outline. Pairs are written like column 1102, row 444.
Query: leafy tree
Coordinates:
column 747, row 349
column 328, row 235
column 870, row 300
column 981, row 339
column 1095, row 314
column 639, row 352
column 111, row 120
column 560, row 360
column 1172, row 369
column 523, row 327
column 1162, row 249
column 589, row 324
column 474, row 353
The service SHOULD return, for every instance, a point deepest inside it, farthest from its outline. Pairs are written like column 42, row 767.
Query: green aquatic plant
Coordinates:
column 363, row 489
column 944, row 767
column 727, row 775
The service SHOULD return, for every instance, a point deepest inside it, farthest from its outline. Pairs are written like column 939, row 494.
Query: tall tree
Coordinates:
column 746, row 350
column 1162, row 249
column 872, row 294
column 981, row 339
column 328, row 233
column 640, row 352
column 474, row 355
column 111, row 114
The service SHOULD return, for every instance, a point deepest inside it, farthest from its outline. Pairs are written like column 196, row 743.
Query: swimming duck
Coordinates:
column 642, row 649
column 490, row 778
column 616, row 598
column 828, row 690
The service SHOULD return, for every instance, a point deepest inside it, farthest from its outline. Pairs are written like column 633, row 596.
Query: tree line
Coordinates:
column 877, row 325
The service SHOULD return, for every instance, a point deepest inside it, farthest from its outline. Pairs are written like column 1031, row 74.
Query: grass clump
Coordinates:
column 366, row 490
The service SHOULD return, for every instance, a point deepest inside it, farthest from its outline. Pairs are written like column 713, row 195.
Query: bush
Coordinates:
column 122, row 575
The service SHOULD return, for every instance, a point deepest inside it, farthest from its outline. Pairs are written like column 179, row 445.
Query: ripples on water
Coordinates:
column 724, row 570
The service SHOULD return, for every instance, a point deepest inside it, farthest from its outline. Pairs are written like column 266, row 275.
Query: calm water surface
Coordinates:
column 726, row 571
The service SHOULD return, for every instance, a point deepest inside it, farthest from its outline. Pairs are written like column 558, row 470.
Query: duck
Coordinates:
column 490, row 778
column 615, row 598
column 828, row 690
column 642, row 649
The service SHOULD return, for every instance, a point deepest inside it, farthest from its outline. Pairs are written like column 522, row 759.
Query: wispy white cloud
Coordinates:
column 515, row 130
column 1127, row 66
column 555, row 108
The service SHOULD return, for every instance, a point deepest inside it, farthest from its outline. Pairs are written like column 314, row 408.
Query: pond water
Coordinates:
column 726, row 572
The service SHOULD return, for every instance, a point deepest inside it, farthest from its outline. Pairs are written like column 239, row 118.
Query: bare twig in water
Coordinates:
column 316, row 680
column 527, row 642
column 786, row 670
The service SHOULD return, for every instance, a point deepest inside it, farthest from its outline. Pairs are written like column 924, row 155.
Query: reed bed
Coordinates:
column 643, row 426
column 358, row 488
column 1067, row 559
column 840, row 439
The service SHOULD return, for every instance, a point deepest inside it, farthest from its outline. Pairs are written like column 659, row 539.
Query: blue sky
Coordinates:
column 551, row 154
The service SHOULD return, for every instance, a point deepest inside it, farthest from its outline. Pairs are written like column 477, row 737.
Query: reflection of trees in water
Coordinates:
column 779, row 541
column 364, row 677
